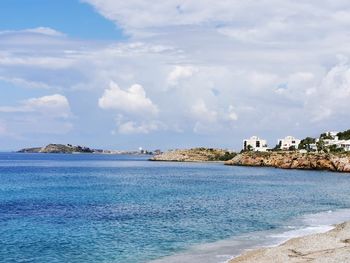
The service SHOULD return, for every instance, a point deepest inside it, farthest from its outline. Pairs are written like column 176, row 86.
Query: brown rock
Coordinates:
column 294, row 160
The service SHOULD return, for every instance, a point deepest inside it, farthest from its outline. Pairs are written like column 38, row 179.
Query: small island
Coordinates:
column 70, row 149
column 58, row 148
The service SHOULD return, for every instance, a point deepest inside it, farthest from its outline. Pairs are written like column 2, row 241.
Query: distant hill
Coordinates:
column 57, row 148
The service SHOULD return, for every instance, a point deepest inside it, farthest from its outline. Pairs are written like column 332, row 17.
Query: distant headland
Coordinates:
column 71, row 149
column 195, row 155
column 331, row 152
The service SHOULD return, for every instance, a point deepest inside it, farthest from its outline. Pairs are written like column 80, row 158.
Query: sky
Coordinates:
column 171, row 74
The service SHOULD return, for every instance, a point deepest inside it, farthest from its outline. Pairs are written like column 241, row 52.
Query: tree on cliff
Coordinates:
column 345, row 135
column 305, row 143
column 321, row 147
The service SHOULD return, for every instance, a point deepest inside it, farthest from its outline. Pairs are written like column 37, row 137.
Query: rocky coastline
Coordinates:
column 195, row 155
column 337, row 162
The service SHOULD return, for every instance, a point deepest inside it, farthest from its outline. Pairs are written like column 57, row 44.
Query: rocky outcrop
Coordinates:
column 57, row 148
column 294, row 160
column 195, row 155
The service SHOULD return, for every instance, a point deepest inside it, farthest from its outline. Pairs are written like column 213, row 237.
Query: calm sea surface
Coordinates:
column 108, row 208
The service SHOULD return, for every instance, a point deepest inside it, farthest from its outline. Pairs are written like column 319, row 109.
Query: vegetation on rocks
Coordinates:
column 305, row 143
column 345, row 135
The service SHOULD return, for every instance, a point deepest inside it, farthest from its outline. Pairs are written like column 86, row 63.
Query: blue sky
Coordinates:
column 74, row 18
column 126, row 74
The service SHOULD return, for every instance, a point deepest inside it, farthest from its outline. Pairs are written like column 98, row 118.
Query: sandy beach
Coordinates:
column 332, row 246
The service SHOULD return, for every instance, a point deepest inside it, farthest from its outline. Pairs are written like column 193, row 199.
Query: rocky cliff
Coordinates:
column 294, row 160
column 195, row 155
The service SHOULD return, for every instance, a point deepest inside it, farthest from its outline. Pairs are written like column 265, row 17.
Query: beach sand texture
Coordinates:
column 330, row 247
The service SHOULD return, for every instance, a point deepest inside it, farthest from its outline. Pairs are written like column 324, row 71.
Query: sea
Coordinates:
column 121, row 208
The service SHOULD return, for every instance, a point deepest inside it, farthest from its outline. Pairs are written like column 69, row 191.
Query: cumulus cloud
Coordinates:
column 56, row 105
column 269, row 20
column 133, row 100
column 141, row 14
column 239, row 66
column 53, row 105
column 180, row 72
column 48, row 114
column 332, row 96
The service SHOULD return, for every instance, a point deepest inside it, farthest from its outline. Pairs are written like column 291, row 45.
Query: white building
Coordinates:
column 288, row 142
column 344, row 144
column 332, row 134
column 333, row 140
column 255, row 144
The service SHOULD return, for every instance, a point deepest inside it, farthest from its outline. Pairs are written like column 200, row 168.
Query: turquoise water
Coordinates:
column 107, row 208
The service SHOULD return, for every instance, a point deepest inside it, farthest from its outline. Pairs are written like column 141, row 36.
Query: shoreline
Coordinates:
column 330, row 246
column 228, row 250
column 334, row 162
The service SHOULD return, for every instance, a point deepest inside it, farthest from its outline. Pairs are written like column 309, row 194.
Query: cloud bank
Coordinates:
column 225, row 69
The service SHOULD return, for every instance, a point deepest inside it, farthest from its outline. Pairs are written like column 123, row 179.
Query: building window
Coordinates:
column 257, row 144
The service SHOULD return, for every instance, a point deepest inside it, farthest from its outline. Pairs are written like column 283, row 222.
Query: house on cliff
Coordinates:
column 256, row 144
column 288, row 143
column 331, row 139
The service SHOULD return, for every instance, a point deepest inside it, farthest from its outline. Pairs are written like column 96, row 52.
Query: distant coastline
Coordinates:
column 72, row 149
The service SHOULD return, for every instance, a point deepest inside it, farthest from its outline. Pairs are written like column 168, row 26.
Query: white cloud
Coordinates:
column 272, row 61
column 131, row 127
column 132, row 100
column 25, row 83
column 56, row 105
column 232, row 115
column 38, row 30
column 43, row 115
column 180, row 72
column 42, row 61
column 202, row 113
column 332, row 96
column 53, row 105
column 270, row 21
column 263, row 80
column 45, row 31
column 210, row 120
column 142, row 14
